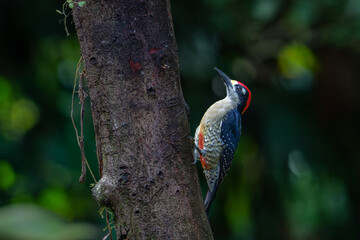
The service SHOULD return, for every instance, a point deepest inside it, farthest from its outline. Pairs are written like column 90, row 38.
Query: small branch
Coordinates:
column 106, row 236
column 63, row 12
column 108, row 224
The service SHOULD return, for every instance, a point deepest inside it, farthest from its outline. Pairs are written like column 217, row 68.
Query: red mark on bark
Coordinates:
column 154, row 50
column 135, row 66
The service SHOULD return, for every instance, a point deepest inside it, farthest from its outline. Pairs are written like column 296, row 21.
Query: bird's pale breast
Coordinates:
column 210, row 131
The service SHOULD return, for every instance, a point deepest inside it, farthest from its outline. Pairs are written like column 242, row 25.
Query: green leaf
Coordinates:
column 81, row 3
column 71, row 5
column 69, row 1
column 59, row 12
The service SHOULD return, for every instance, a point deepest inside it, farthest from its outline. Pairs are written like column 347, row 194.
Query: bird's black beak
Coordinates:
column 226, row 79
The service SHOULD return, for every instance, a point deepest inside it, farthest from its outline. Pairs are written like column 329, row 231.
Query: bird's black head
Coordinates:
column 238, row 89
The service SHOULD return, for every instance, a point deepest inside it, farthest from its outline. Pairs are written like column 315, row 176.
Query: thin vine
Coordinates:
column 109, row 221
column 69, row 4
column 80, row 138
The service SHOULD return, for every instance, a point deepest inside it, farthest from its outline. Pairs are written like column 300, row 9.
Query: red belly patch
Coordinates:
column 201, row 146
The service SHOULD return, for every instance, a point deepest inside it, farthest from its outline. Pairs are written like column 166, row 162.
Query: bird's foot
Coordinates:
column 201, row 151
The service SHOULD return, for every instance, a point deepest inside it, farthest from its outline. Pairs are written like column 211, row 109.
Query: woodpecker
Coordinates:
column 217, row 136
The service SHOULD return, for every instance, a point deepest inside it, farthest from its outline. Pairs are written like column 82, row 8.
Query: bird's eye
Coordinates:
column 243, row 91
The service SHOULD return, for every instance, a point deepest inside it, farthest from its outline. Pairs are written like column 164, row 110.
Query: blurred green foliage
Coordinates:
column 295, row 174
column 30, row 222
column 17, row 114
column 7, row 175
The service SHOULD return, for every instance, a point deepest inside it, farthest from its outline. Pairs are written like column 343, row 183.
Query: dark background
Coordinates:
column 296, row 171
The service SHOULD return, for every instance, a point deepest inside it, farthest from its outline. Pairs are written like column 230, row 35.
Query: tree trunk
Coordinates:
column 140, row 120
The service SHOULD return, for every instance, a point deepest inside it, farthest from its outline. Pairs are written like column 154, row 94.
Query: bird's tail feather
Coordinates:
column 209, row 199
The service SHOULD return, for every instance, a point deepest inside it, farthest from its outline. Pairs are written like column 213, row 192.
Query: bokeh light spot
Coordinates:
column 17, row 114
column 56, row 200
column 264, row 9
column 5, row 90
column 24, row 115
column 7, row 175
column 297, row 164
column 295, row 60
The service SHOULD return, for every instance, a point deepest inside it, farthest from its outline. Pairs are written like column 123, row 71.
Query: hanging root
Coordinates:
column 80, row 139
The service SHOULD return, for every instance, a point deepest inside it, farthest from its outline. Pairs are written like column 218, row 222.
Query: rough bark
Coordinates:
column 140, row 120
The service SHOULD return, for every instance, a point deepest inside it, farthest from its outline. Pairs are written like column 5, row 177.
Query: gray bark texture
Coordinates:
column 140, row 120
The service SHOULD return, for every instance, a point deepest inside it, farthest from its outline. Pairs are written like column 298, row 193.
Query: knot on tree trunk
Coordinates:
column 103, row 191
